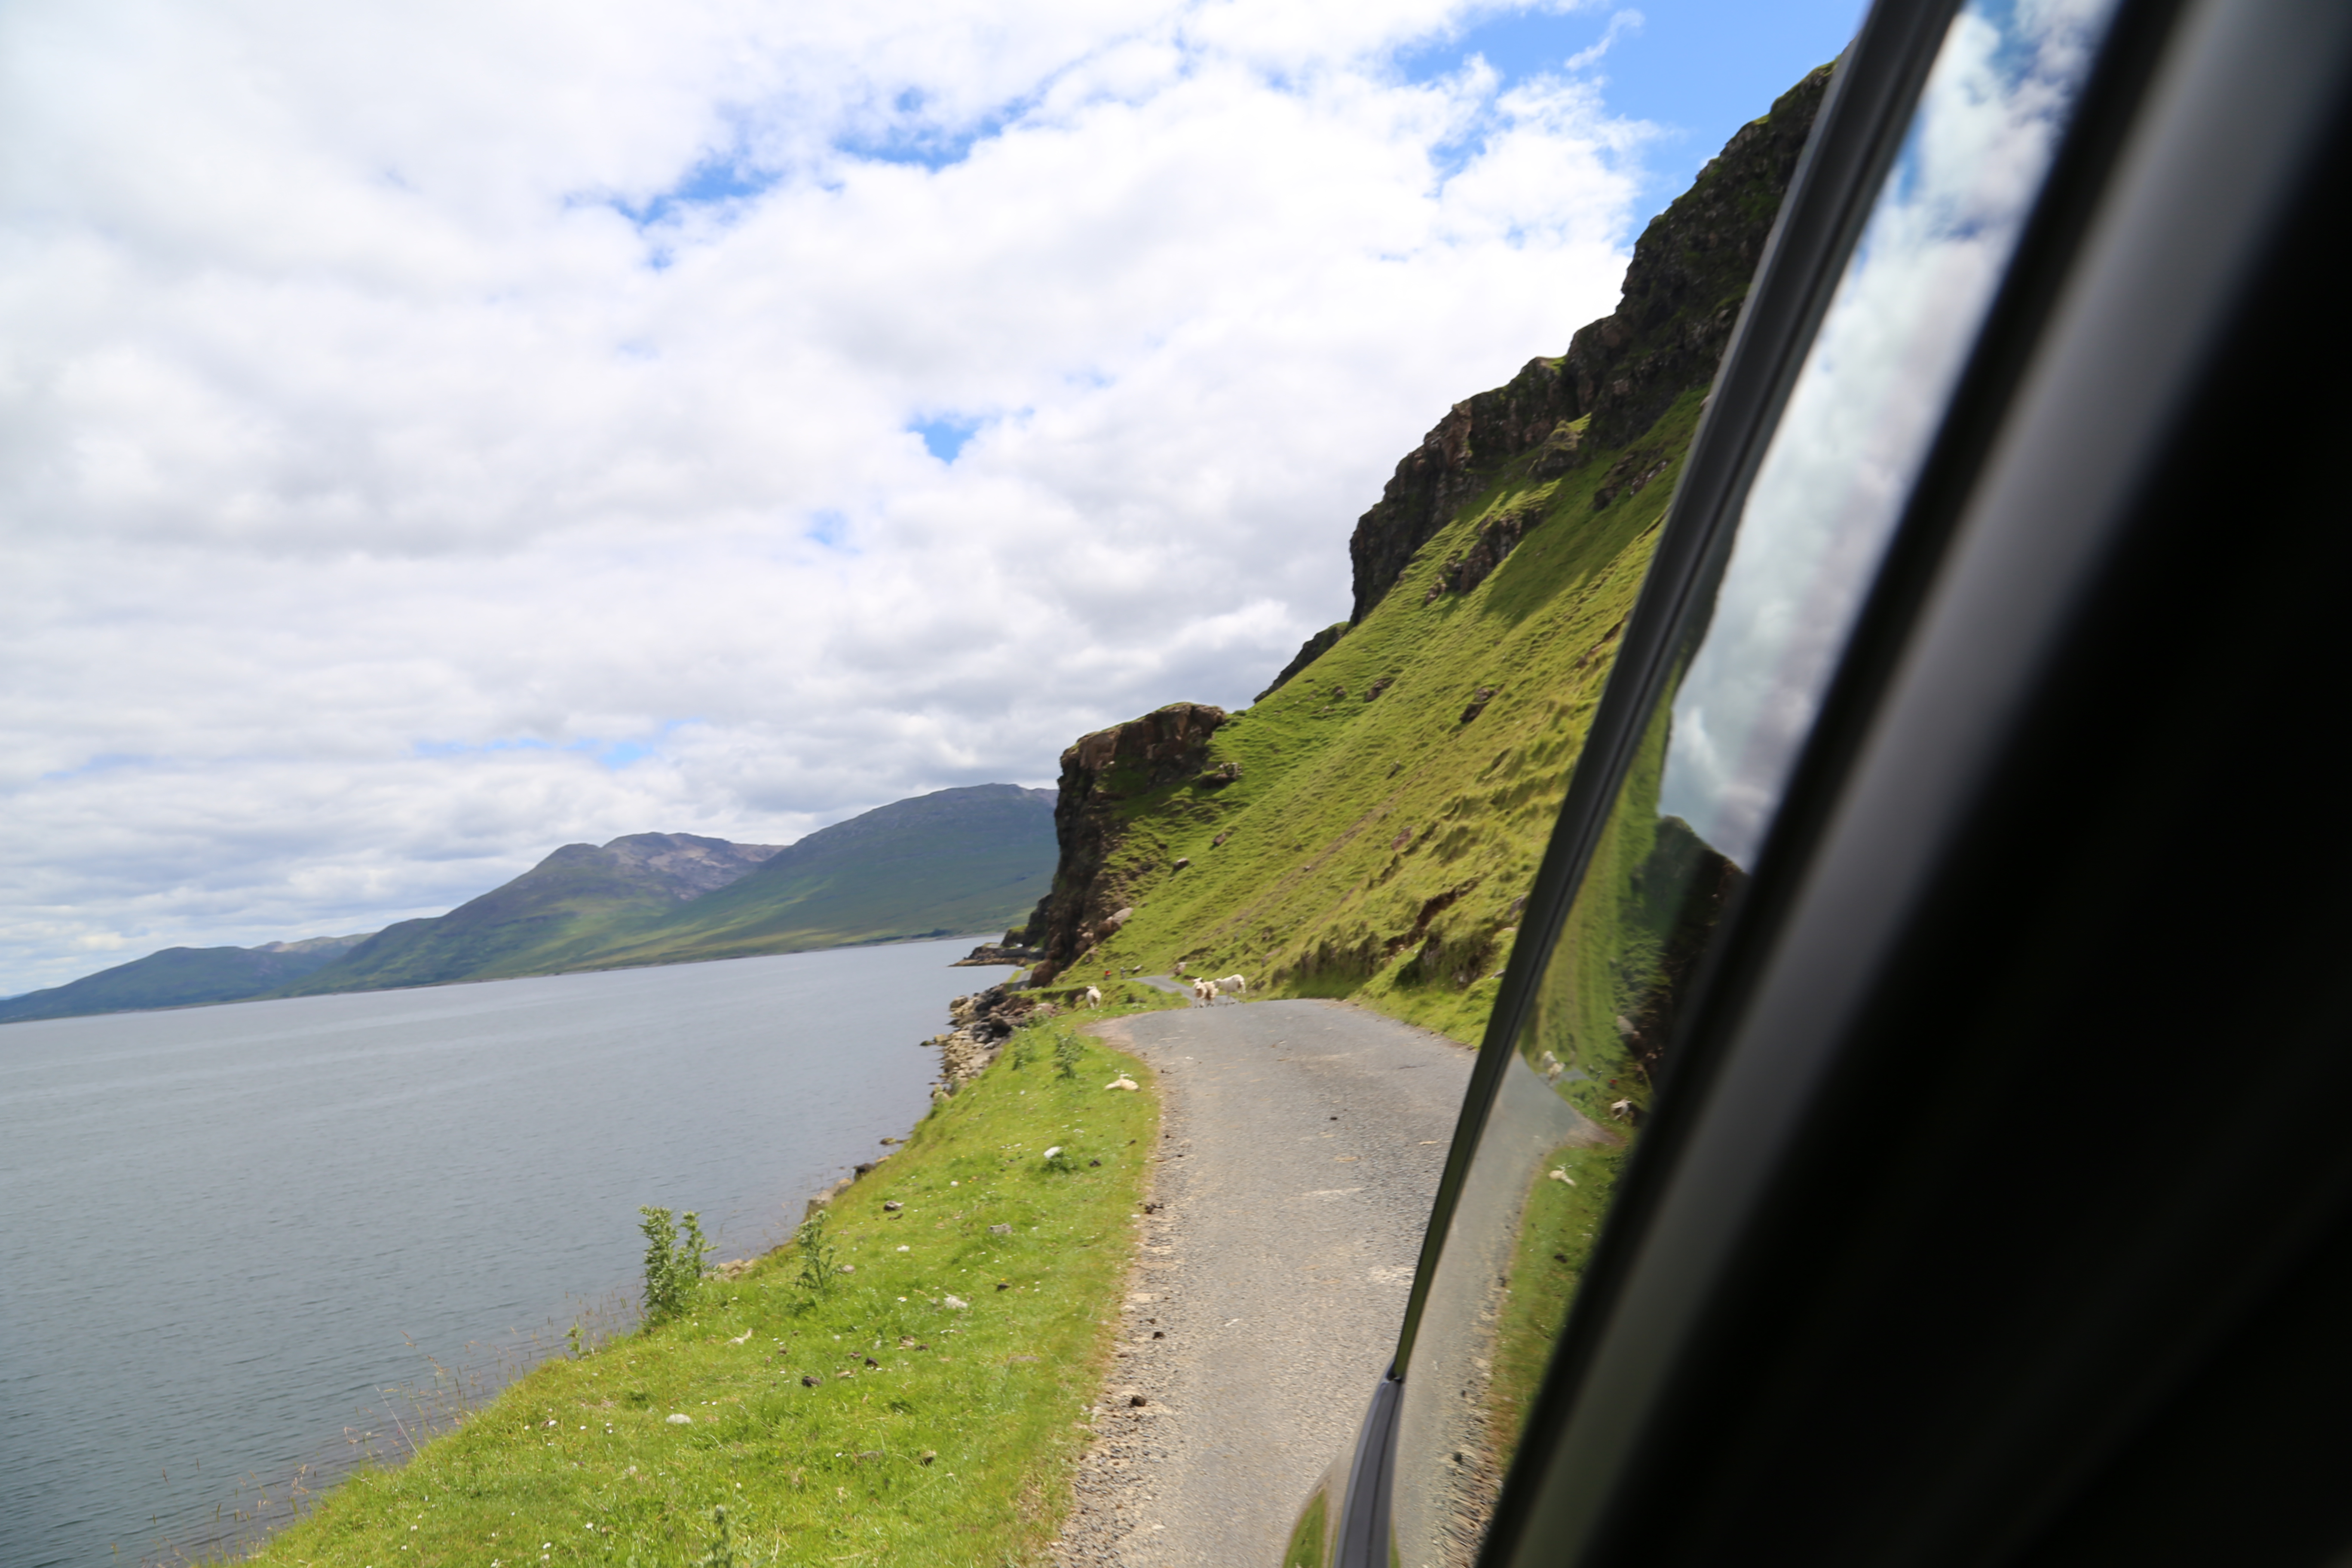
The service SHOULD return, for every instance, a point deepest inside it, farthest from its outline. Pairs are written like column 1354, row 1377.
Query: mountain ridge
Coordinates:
column 953, row 862
column 930, row 865
column 180, row 977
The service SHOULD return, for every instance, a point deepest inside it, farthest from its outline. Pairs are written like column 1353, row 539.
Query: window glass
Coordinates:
column 1701, row 790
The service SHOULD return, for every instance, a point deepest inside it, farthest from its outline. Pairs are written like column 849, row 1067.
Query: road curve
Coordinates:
column 1302, row 1144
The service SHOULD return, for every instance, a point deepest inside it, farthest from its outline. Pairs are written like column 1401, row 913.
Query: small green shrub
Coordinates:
column 674, row 1253
column 815, row 1253
column 1067, row 1053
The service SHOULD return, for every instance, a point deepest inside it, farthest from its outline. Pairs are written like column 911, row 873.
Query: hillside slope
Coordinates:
column 181, row 978
column 577, row 898
column 958, row 860
column 955, row 861
column 1370, row 828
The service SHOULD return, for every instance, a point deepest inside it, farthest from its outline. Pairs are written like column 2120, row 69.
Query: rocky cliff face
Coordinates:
column 1104, row 775
column 1683, row 292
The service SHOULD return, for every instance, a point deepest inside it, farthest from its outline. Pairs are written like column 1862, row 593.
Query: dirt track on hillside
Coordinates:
column 1303, row 1145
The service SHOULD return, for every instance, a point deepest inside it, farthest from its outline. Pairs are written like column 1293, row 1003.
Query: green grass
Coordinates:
column 1556, row 1229
column 955, row 1448
column 1375, row 848
column 1119, row 995
column 1307, row 1549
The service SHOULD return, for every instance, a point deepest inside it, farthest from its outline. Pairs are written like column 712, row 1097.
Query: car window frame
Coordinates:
column 1856, row 137
column 2153, row 48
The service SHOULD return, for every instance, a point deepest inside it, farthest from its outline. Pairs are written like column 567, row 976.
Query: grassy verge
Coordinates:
column 920, row 1401
column 1555, row 1247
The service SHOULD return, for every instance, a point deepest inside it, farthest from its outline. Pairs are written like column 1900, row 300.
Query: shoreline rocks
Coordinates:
column 990, row 954
column 983, row 1022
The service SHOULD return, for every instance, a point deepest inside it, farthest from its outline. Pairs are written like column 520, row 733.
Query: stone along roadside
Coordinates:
column 1302, row 1143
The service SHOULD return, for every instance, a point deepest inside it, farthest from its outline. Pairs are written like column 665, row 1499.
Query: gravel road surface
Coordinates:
column 1303, row 1145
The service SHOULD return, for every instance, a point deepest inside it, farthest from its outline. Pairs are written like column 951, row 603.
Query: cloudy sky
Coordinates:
column 433, row 433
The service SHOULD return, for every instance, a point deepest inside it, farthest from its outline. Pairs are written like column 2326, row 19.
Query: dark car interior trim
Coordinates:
column 1945, row 1225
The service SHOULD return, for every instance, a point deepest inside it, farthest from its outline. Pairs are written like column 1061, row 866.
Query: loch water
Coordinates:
column 237, row 1241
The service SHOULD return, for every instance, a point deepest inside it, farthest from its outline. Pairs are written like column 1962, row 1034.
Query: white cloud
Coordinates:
column 367, row 474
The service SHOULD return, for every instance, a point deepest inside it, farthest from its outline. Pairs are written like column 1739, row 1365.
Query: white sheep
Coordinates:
column 1233, row 985
column 1094, row 996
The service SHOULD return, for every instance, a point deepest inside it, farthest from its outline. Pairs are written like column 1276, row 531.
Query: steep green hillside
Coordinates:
column 1394, row 799
column 1370, row 827
column 181, row 978
column 959, row 860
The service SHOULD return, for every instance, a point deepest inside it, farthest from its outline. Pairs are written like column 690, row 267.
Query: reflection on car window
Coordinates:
column 1864, row 406
column 1700, row 792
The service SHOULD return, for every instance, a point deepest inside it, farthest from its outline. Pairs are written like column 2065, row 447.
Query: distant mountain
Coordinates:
column 958, row 862
column 568, row 904
column 181, row 978
column 949, row 864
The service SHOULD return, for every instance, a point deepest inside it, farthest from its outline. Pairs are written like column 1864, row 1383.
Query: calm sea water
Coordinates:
column 229, row 1236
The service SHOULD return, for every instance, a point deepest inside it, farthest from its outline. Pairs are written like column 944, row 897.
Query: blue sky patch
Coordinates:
column 716, row 180
column 907, row 137
column 614, row 754
column 1695, row 69
column 945, row 436
column 470, row 748
column 829, row 528
column 105, row 762
column 1518, row 44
